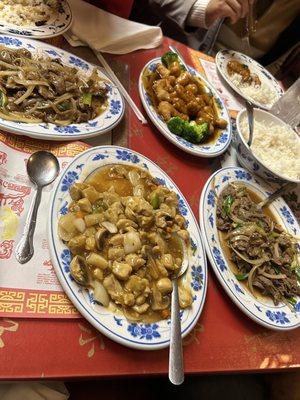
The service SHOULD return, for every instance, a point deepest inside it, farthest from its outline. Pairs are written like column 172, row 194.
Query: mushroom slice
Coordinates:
column 79, row 271
column 100, row 293
column 134, row 177
column 159, row 302
column 130, row 214
column 100, row 236
column 110, row 226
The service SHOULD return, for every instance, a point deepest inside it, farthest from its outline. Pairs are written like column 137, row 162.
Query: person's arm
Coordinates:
column 174, row 10
column 205, row 12
column 200, row 13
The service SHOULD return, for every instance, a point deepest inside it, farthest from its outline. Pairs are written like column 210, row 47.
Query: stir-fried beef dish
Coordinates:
column 264, row 254
column 35, row 90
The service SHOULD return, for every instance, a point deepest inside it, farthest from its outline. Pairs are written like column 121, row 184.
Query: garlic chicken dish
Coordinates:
column 127, row 240
column 182, row 100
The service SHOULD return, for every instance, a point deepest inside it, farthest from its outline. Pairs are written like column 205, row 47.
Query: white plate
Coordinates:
column 264, row 312
column 205, row 150
column 57, row 25
column 99, row 125
column 116, row 327
column 264, row 75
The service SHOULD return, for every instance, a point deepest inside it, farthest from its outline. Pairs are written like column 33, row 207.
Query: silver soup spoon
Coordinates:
column 285, row 188
column 42, row 169
column 176, row 369
column 249, row 108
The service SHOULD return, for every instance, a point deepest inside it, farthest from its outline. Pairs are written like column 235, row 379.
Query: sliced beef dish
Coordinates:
column 264, row 254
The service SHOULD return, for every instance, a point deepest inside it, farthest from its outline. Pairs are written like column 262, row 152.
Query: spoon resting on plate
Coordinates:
column 286, row 187
column 249, row 108
column 176, row 369
column 42, row 169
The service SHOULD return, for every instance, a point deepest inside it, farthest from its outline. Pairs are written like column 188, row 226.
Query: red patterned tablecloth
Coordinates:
column 223, row 339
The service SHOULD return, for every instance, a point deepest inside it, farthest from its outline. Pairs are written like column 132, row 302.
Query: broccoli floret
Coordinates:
column 195, row 133
column 176, row 125
column 168, row 58
column 189, row 131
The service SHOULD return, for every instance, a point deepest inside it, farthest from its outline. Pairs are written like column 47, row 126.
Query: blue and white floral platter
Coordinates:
column 200, row 150
column 137, row 335
column 59, row 23
column 99, row 125
column 261, row 310
column 224, row 56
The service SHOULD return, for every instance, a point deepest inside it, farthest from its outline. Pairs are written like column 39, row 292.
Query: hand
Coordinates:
column 233, row 9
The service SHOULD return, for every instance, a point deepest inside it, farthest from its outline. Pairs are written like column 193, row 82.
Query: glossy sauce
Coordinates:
column 102, row 181
column 150, row 77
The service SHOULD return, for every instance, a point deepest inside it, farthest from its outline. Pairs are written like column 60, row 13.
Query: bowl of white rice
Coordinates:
column 275, row 150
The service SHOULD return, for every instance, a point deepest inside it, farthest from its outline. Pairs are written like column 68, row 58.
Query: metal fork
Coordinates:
column 175, row 50
column 208, row 42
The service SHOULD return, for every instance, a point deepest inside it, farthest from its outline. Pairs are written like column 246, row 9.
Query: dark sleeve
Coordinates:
column 174, row 10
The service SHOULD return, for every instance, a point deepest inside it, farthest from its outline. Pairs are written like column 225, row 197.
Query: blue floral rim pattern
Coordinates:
column 262, row 311
column 138, row 335
column 101, row 124
column 56, row 26
column 205, row 150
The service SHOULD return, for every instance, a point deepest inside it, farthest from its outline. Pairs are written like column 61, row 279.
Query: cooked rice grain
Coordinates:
column 262, row 94
column 277, row 146
column 27, row 12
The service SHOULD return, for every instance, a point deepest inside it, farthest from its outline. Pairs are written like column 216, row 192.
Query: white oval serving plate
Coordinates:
column 99, row 125
column 115, row 326
column 264, row 75
column 262, row 311
column 57, row 25
column 200, row 150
